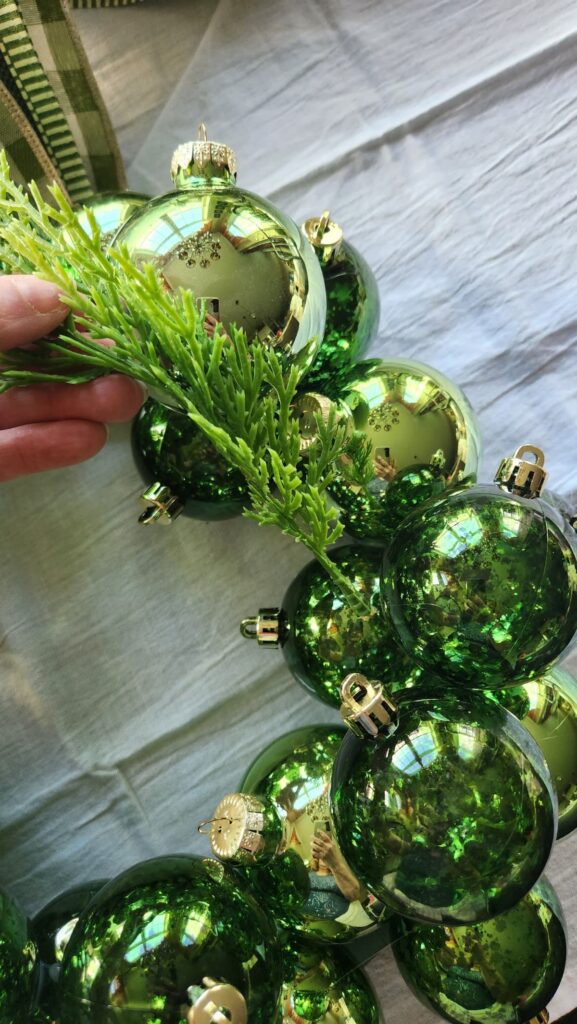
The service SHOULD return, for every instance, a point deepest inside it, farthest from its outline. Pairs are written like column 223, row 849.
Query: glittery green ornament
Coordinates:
column 244, row 258
column 451, row 818
column 111, row 210
column 166, row 935
column 277, row 831
column 324, row 987
column 183, row 469
column 413, row 434
column 17, row 963
column 323, row 638
column 481, row 584
column 352, row 306
column 504, row 971
column 547, row 708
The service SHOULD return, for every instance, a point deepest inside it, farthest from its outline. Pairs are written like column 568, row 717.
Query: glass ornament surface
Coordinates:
column 481, row 586
column 149, row 942
column 451, row 819
column 324, row 986
column 235, row 251
column 17, row 963
column 111, row 211
column 170, row 449
column 504, row 971
column 547, row 708
column 421, row 436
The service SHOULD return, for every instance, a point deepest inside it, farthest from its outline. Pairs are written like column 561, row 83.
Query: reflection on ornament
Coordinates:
column 235, row 249
column 185, row 470
column 481, row 584
column 504, row 971
column 323, row 638
column 450, row 818
column 352, row 306
column 111, row 210
column 17, row 963
column 325, row 987
column 146, row 945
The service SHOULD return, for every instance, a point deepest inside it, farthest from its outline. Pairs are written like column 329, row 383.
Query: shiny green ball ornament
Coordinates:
column 352, row 305
column 17, row 963
column 504, row 971
column 183, row 470
column 547, row 708
column 324, row 987
column 111, row 210
column 449, row 819
column 240, row 255
column 417, row 435
column 323, row 639
column 481, row 584
column 277, row 830
column 167, row 935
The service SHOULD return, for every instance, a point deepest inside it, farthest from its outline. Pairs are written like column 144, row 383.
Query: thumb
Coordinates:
column 29, row 308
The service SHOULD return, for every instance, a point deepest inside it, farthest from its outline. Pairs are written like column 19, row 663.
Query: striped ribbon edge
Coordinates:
column 27, row 158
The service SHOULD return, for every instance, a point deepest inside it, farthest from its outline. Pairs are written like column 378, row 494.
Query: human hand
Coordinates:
column 48, row 426
column 323, row 848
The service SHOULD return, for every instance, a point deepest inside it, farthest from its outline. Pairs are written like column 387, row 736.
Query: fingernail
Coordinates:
column 40, row 297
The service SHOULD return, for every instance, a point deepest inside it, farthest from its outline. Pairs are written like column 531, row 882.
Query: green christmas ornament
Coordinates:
column 277, row 831
column 17, row 963
column 167, row 935
column 323, row 639
column 451, row 818
column 504, row 971
column 184, row 471
column 547, row 708
column 481, row 585
column 324, row 987
column 111, row 211
column 352, row 305
column 240, row 255
column 417, row 434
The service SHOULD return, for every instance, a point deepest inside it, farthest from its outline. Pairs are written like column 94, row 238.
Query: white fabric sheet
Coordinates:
column 443, row 136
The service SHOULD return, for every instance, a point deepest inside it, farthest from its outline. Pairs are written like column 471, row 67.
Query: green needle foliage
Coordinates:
column 240, row 395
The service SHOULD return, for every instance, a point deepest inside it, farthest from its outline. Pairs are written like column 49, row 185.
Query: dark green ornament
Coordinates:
column 323, row 639
column 111, row 210
column 17, row 963
column 236, row 252
column 155, row 940
column 268, row 830
column 547, row 708
column 324, row 987
column 352, row 306
column 481, row 584
column 450, row 819
column 185, row 470
column 504, row 971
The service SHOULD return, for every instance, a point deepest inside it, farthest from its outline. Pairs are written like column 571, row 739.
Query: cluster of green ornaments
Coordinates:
column 427, row 822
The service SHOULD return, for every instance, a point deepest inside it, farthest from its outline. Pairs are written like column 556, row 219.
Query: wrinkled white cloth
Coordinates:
column 443, row 137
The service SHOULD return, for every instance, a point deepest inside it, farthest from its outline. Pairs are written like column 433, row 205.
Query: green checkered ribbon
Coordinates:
column 53, row 123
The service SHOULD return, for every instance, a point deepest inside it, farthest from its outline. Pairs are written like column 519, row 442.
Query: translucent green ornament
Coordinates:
column 111, row 210
column 504, row 971
column 166, row 935
column 481, row 584
column 271, row 830
column 184, row 471
column 17, row 963
column 323, row 638
column 413, row 433
column 352, row 305
column 245, row 259
column 324, row 987
column 449, row 819
column 547, row 708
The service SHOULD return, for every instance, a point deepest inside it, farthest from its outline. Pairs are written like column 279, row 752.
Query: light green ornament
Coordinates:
column 111, row 210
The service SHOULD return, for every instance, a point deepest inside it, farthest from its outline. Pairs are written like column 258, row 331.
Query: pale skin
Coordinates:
column 52, row 425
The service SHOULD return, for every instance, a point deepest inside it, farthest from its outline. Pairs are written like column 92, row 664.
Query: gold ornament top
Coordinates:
column 366, row 709
column 237, row 827
column 523, row 476
column 264, row 627
column 202, row 159
column 220, row 1003
column 325, row 235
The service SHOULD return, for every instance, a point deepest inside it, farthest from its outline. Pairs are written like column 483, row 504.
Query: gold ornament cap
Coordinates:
column 202, row 159
column 524, row 477
column 236, row 830
column 265, row 627
column 162, row 506
column 220, row 1003
column 325, row 235
column 365, row 708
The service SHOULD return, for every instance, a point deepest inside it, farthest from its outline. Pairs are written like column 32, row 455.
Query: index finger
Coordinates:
column 29, row 308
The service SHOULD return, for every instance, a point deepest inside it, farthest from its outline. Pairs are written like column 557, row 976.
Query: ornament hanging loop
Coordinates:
column 264, row 627
column 521, row 476
column 366, row 709
column 205, row 827
column 202, row 133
